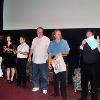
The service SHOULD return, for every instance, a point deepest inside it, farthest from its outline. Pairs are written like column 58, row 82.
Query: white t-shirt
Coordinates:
column 39, row 47
column 24, row 48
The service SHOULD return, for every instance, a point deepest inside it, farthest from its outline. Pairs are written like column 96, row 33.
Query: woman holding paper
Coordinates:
column 91, row 59
column 57, row 49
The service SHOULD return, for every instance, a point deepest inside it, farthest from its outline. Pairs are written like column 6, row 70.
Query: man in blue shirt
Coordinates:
column 58, row 48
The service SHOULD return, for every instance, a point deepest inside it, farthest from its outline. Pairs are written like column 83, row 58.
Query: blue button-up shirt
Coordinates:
column 56, row 47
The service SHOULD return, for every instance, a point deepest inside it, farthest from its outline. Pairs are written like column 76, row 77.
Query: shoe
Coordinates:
column 54, row 95
column 64, row 97
column 44, row 91
column 35, row 89
column 12, row 81
column 23, row 85
column 18, row 84
column 82, row 98
column 94, row 98
column 8, row 81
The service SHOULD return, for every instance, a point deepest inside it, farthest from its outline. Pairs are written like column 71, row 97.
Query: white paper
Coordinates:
column 59, row 65
column 92, row 42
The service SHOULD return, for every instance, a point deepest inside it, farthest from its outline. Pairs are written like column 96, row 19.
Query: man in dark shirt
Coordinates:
column 91, row 59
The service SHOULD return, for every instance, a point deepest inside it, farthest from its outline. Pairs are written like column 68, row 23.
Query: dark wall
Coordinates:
column 73, row 36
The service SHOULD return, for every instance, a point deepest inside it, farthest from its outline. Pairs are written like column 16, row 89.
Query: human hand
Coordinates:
column 50, row 67
column 84, row 41
column 29, row 59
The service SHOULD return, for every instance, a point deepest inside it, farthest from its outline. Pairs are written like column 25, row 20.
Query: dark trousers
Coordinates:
column 88, row 73
column 21, row 71
column 60, row 80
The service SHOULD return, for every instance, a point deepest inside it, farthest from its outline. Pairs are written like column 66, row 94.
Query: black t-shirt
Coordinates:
column 90, row 56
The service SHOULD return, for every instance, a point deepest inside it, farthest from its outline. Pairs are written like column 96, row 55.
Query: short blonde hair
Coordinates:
column 40, row 28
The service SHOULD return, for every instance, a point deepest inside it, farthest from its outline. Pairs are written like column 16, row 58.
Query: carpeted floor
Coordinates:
column 13, row 92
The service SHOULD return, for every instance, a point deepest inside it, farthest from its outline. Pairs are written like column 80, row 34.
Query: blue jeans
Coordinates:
column 40, row 74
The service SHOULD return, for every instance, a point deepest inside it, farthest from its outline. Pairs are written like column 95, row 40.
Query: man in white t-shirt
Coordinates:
column 40, row 55
column 22, row 54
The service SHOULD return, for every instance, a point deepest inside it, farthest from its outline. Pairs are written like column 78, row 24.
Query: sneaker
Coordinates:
column 35, row 89
column 44, row 91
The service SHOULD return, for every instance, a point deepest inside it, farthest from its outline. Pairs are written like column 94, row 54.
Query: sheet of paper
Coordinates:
column 92, row 42
column 59, row 65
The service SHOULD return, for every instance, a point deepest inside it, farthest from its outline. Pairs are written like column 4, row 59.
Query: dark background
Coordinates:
column 73, row 36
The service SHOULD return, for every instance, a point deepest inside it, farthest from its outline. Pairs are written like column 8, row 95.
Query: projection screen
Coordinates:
column 50, row 14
